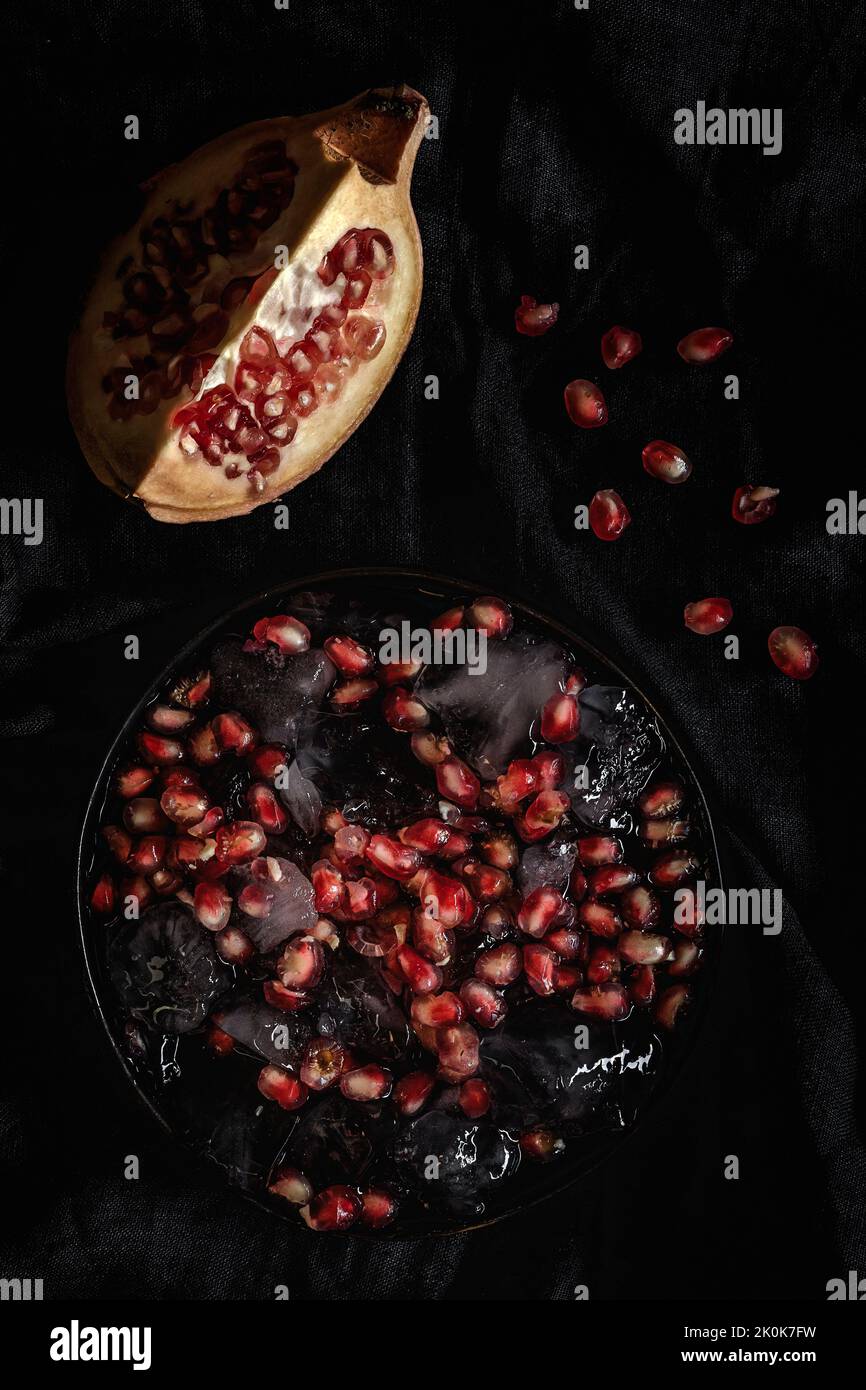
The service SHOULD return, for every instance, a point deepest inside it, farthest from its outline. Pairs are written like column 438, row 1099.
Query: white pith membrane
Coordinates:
column 140, row 456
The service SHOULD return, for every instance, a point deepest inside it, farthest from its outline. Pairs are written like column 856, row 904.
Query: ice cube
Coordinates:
column 166, row 969
column 277, row 693
column 294, row 903
column 335, row 1139
column 453, row 1162
column 620, row 747
column 301, row 798
column 356, row 1006
column 272, row 1034
column 549, row 863
column 488, row 716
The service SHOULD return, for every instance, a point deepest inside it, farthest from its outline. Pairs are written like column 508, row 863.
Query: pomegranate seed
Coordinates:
column 667, row 462
column 366, row 1083
column 335, row 1209
column 643, row 948
column 664, row 832
column 474, row 1098
column 446, row 899
column 289, row 634
column 608, row 1001
column 542, row 1145
column 165, row 720
column 322, row 1063
column 585, row 404
column 603, row 964
column 412, row 1092
column 431, row 939
column 276, row 1084
column 539, row 964
column 139, row 889
column 203, row 747
column 430, row 749
column 549, row 768
column 156, row 749
column 519, row 782
column 499, row 850
column 429, row 836
column 396, row 672
column 456, row 781
column 192, row 691
column 328, row 886
column 669, row 1004
column 421, row 976
column 239, row 842
column 457, row 1048
column 184, row 807
column 491, row 616
column 292, row 1186
column 333, row 820
column 209, row 824
column 265, row 761
column 378, row 1208
column 608, row 515
column 642, row 986
column 233, row 734
column 704, row 344
column 186, row 852
column 212, row 906
column 257, row 347
column 640, row 907
column 483, row 1005
column 437, row 1010
column 275, row 994
column 363, row 898
column 132, row 781
column 486, row 883
column 403, row 712
column 104, row 895
column 448, row 621
column 391, row 858
column 218, row 1042
column 180, row 779
column 349, row 657
column 364, row 337
column 662, row 798
column 708, row 615
column 301, row 964
column 794, row 652
column 686, row 959
column 598, row 918
column 532, row 319
column 619, row 345
column 543, row 814
column 255, row 900
column 560, row 719
column 353, row 692
column 612, row 878
column 754, row 504
column 234, row 946
column 148, row 855
column 599, row 849
column 538, row 911
column 500, row 965
column 688, row 914
column 267, row 810
column 166, row 883
column 566, row 979
column 567, row 942
column 118, row 841
column 672, row 869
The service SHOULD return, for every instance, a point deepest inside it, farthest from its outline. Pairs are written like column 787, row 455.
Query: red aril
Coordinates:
column 560, row 719
column 608, row 515
column 704, row 344
column 667, row 462
column 794, row 652
column 532, row 319
column 277, row 1084
column 585, row 404
column 619, row 345
column 754, row 504
column 708, row 615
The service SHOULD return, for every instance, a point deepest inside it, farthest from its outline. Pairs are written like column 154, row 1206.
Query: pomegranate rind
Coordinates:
column 140, row 459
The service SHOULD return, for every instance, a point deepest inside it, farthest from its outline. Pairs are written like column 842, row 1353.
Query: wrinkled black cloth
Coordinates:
column 555, row 130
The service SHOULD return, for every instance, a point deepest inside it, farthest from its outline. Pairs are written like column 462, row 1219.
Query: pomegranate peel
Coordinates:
column 291, row 238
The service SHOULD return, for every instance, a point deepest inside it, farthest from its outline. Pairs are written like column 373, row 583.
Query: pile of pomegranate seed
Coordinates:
column 409, row 930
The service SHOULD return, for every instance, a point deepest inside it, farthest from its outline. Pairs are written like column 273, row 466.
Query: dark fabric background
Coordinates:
column 555, row 129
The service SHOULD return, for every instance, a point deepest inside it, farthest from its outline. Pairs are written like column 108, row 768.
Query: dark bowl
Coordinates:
column 543, row 1181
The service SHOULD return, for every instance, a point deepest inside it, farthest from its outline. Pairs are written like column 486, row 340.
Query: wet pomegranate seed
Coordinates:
column 619, row 345
column 349, row 657
column 239, row 842
column 794, row 652
column 353, row 692
column 279, row 1085
column 233, row 734
column 669, row 1004
column 642, row 986
column 686, row 959
column 603, row 964
column 446, row 899
column 539, row 911
column 539, row 965
column 265, row 761
column 378, row 1208
column 483, row 1005
column 254, row 900
column 664, row 832
column 585, row 404
column 431, row 939
column 708, row 615
column 367, row 1083
column 420, row 974
column 203, row 747
column 403, row 712
column 218, row 1042
column 608, row 1001
column 643, row 947
column 543, row 813
column 184, row 807
column 549, row 767
column 532, row 319
column 560, row 719
column 335, row 1209
column 611, row 878
column 662, row 798
column 118, row 841
column 599, row 918
column 457, row 1048
column 457, row 782
column 287, row 633
column 448, row 621
column 599, row 849
column 667, row 462
column 672, row 869
column 542, row 1145
column 608, row 515
column 292, row 1186
column 132, row 781
column 104, row 895
column 430, row 749
column 301, row 964
column 154, row 748
column 322, row 1063
column 234, row 946
column 491, row 616
column 275, row 994
column 640, row 907
column 754, row 504
column 567, row 942
column 474, row 1098
column 704, row 344
column 500, row 965
column 148, row 855
column 392, row 858
column 212, row 906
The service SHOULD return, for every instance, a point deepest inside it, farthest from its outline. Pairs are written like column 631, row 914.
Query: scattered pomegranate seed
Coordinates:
column 640, row 907
column 669, row 1004
column 287, row 633
column 539, row 910
column 794, row 652
column 203, row 747
column 599, row 849
column 549, row 766
column 500, row 965
column 585, row 404
column 239, row 842
column 335, row 1209
column 430, row 749
column 662, row 798
column 301, row 964
column 598, row 918
column 642, row 986
column 619, row 345
column 704, row 344
column 542, row 815
column 608, row 1001
column 664, row 832
column 254, row 900
column 500, row 850
column 446, row 899
column 322, row 1064
column 292, row 1186
column 608, row 515
column 667, row 462
column 532, row 319
column 643, row 947
column 378, row 1208
column 279, row 1085
column 560, row 719
column 353, row 692
column 328, row 886
column 491, row 616
column 431, row 939
column 754, row 504
column 154, row 748
column 184, row 807
column 349, row 657
column 474, row 1098
column 275, row 994
column 413, row 1091
column 612, row 878
column 672, row 869
column 688, row 915
column 139, row 889
column 366, row 1083
column 420, row 974
column 448, row 621
column 213, row 906
column 118, row 841
column 132, row 781
column 234, row 946
column 708, row 615
column 263, row 804
column 603, row 964
column 457, row 782
column 539, row 965
column 686, row 958
column 233, row 734
column 483, row 1005
column 457, row 1048
column 104, row 895
column 403, row 712
column 148, row 855
column 165, row 720
column 567, row 942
